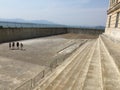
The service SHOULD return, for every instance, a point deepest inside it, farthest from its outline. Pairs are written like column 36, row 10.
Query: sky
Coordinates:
column 68, row 12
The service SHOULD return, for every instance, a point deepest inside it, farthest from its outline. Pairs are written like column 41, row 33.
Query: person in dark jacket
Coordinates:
column 13, row 45
column 21, row 45
column 17, row 44
column 10, row 45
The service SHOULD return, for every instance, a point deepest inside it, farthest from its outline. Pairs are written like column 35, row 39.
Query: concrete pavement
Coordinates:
column 92, row 68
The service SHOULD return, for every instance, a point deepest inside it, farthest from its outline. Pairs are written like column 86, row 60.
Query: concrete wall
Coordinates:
column 13, row 34
column 86, row 31
column 113, row 33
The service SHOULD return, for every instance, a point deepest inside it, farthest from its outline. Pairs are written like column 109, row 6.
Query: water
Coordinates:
column 27, row 25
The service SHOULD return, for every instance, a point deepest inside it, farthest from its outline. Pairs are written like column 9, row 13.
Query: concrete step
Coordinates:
column 68, row 74
column 67, row 65
column 113, row 49
column 68, row 78
column 93, row 79
column 91, row 67
column 77, row 81
column 110, row 72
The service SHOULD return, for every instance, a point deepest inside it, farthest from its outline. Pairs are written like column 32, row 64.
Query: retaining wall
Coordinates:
column 13, row 34
column 86, row 31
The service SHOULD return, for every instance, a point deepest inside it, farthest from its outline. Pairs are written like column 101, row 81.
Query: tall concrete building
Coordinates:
column 113, row 19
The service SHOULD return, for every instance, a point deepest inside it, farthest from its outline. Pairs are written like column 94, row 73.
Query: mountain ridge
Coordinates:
column 27, row 21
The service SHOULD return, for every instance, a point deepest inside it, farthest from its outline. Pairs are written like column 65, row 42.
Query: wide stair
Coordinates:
column 91, row 67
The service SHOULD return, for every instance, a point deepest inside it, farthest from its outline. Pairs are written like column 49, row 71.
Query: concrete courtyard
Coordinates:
column 18, row 66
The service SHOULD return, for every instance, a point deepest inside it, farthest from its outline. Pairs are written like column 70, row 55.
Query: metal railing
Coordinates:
column 32, row 83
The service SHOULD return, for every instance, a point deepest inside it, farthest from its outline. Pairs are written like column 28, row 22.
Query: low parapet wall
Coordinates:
column 13, row 34
column 113, row 33
column 86, row 31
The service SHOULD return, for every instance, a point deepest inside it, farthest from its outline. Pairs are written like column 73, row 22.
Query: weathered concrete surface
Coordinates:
column 13, row 72
column 19, row 66
column 111, row 74
column 94, row 66
column 69, row 68
column 39, row 48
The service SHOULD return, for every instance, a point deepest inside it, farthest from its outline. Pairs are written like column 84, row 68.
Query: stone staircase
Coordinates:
column 91, row 67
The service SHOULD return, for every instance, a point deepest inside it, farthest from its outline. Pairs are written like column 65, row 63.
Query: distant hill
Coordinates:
column 48, row 23
column 27, row 21
column 42, row 22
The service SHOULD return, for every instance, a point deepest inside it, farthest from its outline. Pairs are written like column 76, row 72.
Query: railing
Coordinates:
column 30, row 84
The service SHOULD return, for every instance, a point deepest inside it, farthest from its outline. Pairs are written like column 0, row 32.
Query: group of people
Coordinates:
column 15, row 45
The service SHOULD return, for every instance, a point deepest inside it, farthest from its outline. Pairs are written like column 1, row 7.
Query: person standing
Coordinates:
column 17, row 44
column 13, row 45
column 10, row 45
column 21, row 45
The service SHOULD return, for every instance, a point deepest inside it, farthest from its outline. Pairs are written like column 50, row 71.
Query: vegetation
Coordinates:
column 1, row 26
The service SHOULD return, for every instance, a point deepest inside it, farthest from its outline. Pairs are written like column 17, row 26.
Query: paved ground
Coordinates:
column 94, row 66
column 18, row 66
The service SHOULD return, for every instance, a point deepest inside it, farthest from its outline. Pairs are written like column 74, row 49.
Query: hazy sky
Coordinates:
column 70, row 12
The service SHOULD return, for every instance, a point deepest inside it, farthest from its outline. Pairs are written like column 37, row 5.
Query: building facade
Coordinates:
column 113, row 19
